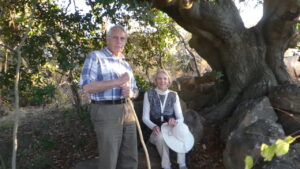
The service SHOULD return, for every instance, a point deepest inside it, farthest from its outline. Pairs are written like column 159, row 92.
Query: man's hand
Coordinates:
column 123, row 79
column 126, row 91
column 156, row 130
column 172, row 122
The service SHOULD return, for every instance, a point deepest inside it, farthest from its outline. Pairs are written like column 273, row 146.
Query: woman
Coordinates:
column 162, row 105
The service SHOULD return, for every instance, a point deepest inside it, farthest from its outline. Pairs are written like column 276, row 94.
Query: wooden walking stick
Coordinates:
column 131, row 107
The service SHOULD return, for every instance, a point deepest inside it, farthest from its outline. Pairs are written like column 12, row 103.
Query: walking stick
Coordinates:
column 129, row 103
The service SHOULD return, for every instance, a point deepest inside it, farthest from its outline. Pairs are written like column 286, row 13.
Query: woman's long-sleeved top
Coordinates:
column 146, row 108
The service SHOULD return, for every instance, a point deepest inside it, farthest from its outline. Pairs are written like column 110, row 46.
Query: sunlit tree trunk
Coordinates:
column 17, row 111
column 16, row 91
column 6, row 62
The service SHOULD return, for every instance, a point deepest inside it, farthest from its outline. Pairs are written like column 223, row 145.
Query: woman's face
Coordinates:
column 162, row 81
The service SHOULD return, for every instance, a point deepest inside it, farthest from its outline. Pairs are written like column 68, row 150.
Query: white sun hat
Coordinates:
column 178, row 138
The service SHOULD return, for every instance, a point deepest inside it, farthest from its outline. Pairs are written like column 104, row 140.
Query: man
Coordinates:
column 108, row 79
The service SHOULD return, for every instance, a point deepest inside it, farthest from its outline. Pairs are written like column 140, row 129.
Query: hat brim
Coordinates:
column 179, row 146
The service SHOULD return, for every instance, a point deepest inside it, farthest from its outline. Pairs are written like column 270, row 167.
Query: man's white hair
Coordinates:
column 114, row 28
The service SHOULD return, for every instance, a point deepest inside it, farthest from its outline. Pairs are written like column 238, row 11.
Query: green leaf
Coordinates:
column 248, row 162
column 282, row 147
column 289, row 139
column 268, row 152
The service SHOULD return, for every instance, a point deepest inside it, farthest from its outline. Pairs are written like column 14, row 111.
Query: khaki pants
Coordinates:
column 163, row 151
column 116, row 136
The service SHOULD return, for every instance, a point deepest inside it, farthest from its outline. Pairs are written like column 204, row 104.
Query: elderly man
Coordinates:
column 108, row 79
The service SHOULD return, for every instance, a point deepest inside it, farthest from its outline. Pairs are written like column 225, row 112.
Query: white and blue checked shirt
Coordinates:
column 102, row 65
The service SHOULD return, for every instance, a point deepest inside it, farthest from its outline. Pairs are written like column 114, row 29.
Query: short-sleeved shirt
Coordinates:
column 102, row 65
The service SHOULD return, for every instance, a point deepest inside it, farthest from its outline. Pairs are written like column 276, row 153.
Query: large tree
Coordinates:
column 251, row 59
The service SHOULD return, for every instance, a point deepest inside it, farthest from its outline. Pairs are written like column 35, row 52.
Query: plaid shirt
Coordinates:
column 102, row 66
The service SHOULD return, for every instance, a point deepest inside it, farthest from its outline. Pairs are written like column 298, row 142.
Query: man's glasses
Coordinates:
column 122, row 39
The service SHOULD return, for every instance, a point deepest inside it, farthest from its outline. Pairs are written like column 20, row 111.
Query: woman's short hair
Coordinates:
column 109, row 32
column 164, row 71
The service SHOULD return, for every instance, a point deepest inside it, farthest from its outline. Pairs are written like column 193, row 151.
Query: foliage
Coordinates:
column 248, row 162
column 5, row 125
column 217, row 74
column 152, row 48
column 55, row 37
column 43, row 95
column 47, row 143
column 142, row 84
column 280, row 148
column 59, row 41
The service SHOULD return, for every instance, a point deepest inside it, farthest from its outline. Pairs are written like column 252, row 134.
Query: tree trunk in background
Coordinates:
column 17, row 111
column 250, row 59
column 16, row 92
column 5, row 66
column 76, row 97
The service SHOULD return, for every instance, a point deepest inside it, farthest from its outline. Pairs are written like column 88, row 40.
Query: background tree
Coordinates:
column 64, row 39
column 57, row 42
column 250, row 59
column 19, row 15
column 251, row 62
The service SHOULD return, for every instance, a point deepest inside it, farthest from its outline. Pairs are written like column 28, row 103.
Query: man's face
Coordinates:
column 116, row 41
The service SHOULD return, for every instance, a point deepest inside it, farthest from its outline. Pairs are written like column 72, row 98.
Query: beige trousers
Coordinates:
column 116, row 136
column 163, row 151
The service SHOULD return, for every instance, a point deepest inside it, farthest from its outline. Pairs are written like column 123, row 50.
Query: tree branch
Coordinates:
column 68, row 5
column 278, row 28
column 7, row 47
column 160, row 4
column 186, row 46
column 294, row 40
column 219, row 18
column 75, row 7
column 16, row 90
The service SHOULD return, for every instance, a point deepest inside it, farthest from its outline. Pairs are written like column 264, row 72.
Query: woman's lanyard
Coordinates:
column 162, row 105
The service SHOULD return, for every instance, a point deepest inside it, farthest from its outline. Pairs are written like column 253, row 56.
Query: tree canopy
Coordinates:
column 58, row 40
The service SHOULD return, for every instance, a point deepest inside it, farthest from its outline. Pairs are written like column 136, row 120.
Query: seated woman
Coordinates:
column 162, row 105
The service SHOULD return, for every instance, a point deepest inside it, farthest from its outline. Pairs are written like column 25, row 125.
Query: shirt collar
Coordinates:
column 161, row 92
column 110, row 54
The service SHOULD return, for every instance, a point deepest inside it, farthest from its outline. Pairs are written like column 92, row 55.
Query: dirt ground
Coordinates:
column 208, row 153
column 60, row 140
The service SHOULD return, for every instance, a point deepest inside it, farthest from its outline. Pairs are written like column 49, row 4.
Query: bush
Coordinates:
column 142, row 84
column 42, row 95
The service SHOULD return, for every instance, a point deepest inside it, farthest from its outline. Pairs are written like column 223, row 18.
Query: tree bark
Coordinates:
column 16, row 91
column 250, row 59
column 76, row 97
column 17, row 111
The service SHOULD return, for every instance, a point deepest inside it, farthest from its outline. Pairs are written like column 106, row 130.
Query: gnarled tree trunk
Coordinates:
column 250, row 59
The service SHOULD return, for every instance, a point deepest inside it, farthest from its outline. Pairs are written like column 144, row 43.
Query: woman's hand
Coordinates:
column 156, row 130
column 172, row 122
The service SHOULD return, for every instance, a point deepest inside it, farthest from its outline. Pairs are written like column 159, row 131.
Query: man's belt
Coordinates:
column 120, row 101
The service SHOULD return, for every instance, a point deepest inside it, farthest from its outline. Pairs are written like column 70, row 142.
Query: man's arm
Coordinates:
column 100, row 86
